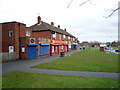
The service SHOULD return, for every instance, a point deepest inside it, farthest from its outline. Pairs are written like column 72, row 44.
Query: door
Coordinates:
column 32, row 52
column 11, row 48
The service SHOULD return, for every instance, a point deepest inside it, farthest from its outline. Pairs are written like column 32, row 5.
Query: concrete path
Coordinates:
column 8, row 67
column 24, row 66
column 73, row 73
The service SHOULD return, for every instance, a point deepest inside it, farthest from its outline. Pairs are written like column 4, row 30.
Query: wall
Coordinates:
column 42, row 34
column 8, row 56
column 23, row 43
column 19, row 30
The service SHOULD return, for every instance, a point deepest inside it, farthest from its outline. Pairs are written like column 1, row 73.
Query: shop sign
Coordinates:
column 43, row 40
column 58, row 42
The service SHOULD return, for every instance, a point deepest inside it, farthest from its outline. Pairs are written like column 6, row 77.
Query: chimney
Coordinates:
column 39, row 19
column 58, row 26
column 65, row 29
column 52, row 23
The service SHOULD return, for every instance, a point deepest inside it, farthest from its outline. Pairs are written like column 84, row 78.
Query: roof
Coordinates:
column 12, row 22
column 43, row 26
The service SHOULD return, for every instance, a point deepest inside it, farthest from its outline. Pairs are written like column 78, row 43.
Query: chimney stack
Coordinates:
column 52, row 23
column 58, row 26
column 65, row 29
column 39, row 19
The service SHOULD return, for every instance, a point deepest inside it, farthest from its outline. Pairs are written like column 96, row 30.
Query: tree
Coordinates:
column 89, row 1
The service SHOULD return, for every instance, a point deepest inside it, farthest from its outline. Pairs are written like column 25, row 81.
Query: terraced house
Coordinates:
column 40, row 39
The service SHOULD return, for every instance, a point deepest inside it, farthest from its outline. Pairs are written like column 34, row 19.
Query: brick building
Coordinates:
column 13, row 34
column 37, row 40
column 51, row 39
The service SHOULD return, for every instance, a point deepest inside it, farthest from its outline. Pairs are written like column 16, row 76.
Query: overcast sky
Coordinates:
column 86, row 22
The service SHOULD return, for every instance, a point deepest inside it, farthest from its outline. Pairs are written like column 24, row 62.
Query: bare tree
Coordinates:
column 89, row 1
column 113, row 11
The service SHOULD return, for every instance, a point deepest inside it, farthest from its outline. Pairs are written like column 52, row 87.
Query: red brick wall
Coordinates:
column 42, row 34
column 6, row 40
column 19, row 30
column 23, row 43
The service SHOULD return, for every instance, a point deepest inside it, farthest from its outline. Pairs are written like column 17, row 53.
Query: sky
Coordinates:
column 86, row 22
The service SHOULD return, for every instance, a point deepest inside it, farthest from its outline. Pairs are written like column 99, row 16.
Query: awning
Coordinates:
column 32, row 44
column 75, row 44
column 45, row 44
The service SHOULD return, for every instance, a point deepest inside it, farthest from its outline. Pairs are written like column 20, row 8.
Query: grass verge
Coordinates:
column 32, row 80
column 90, row 59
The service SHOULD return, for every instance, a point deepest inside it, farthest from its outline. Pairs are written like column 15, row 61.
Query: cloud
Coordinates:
column 85, row 22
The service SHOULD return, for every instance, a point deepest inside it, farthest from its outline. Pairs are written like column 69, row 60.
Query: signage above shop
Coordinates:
column 58, row 42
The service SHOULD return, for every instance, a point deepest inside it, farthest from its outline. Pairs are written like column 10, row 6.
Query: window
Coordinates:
column 54, row 35
column 68, row 37
column 63, row 36
column 73, row 39
column 10, row 33
column 11, row 48
column 27, row 33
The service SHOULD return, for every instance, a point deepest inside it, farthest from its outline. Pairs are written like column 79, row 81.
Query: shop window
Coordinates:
column 27, row 33
column 60, row 37
column 10, row 33
column 68, row 37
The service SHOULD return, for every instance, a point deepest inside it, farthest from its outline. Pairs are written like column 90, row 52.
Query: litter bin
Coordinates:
column 62, row 54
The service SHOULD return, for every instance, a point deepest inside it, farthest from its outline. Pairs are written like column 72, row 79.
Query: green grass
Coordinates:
column 90, row 59
column 33, row 80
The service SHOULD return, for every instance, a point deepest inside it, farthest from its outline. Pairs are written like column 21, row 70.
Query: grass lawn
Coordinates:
column 90, row 59
column 32, row 80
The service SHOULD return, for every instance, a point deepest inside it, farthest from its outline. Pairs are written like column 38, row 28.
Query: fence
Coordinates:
column 7, row 56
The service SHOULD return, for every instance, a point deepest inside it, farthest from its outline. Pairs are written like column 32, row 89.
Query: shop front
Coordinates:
column 57, row 46
column 74, row 46
column 44, row 49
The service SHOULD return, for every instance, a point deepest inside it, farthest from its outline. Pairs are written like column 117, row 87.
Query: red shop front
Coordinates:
column 56, row 46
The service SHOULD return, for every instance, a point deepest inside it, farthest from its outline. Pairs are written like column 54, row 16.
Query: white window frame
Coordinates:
column 10, row 33
column 11, row 48
column 64, row 36
column 27, row 33
column 54, row 35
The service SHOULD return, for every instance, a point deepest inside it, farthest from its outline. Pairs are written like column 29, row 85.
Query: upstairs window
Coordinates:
column 73, row 39
column 10, row 33
column 68, row 37
column 54, row 35
column 63, row 36
column 27, row 33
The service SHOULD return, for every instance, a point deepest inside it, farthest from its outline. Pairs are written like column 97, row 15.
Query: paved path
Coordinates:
column 24, row 66
column 8, row 67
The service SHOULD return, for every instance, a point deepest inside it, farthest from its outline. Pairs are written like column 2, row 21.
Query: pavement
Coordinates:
column 24, row 66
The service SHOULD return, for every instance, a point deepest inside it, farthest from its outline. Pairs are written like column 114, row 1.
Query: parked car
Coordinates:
column 117, row 50
column 106, row 49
